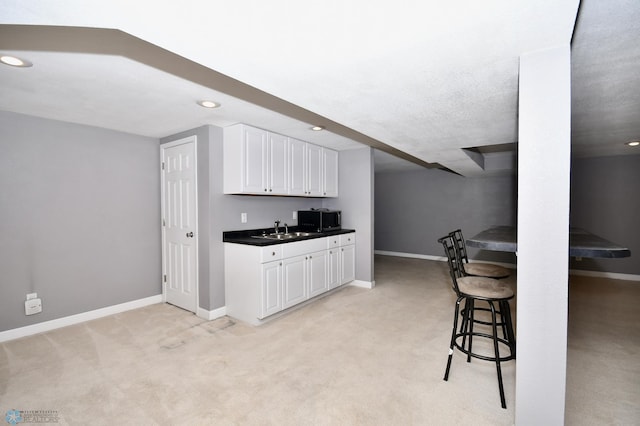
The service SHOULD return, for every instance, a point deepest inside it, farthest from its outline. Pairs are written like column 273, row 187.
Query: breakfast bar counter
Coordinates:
column 581, row 243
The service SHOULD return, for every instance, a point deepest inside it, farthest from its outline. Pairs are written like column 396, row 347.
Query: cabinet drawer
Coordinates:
column 269, row 253
column 347, row 239
column 299, row 248
column 333, row 241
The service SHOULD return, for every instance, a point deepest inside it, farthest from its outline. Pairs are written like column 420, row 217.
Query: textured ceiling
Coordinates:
column 605, row 83
column 422, row 77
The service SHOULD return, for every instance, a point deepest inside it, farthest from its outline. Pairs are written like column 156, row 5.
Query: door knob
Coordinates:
column 190, row 234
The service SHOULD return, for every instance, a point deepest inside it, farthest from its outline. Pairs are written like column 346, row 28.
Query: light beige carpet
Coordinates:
column 356, row 357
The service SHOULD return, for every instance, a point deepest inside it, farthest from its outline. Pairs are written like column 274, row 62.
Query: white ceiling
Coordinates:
column 115, row 92
column 427, row 78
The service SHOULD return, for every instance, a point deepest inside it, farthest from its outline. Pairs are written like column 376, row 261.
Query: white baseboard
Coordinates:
column 436, row 258
column 411, row 255
column 363, row 284
column 211, row 315
column 600, row 274
column 41, row 327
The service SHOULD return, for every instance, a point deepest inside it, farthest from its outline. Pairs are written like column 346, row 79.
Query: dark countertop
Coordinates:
column 581, row 243
column 246, row 236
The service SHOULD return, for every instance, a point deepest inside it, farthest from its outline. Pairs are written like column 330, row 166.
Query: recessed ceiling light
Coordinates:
column 317, row 128
column 633, row 143
column 14, row 61
column 208, row 104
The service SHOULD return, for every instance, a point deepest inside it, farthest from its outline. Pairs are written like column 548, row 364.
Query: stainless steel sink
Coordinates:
column 283, row 236
column 300, row 234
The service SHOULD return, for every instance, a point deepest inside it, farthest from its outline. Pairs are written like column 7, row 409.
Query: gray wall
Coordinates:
column 414, row 208
column 356, row 202
column 605, row 201
column 79, row 218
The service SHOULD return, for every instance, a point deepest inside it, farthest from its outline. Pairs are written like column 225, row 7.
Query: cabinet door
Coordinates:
column 347, row 264
column 333, row 271
column 317, row 273
column 330, row 175
column 297, row 167
column 278, row 162
column 294, row 286
column 255, row 158
column 314, row 170
column 271, row 290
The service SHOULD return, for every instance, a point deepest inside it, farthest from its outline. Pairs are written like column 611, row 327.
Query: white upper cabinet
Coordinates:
column 278, row 164
column 314, row 171
column 297, row 167
column 257, row 161
column 253, row 144
column 330, row 173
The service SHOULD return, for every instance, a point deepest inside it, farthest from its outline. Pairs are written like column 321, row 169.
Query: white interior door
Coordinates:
column 179, row 220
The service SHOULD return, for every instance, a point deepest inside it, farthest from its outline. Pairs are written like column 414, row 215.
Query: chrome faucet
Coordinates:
column 286, row 228
column 276, row 224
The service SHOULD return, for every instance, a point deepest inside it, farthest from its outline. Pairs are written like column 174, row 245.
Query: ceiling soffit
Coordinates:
column 118, row 43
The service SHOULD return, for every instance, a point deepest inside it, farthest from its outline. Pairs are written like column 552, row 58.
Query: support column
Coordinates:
column 544, row 148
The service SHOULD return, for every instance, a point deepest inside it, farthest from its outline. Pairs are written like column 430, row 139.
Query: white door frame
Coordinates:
column 190, row 139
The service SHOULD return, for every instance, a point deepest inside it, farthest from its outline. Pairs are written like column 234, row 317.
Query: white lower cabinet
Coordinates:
column 294, row 281
column 347, row 264
column 333, row 268
column 317, row 273
column 271, row 289
column 341, row 260
column 347, row 258
column 262, row 281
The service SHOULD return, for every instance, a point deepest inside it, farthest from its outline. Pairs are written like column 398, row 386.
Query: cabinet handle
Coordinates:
column 265, row 190
column 273, row 253
column 270, row 190
column 189, row 234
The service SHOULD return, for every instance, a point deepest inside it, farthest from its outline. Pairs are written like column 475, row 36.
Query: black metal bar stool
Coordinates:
column 476, row 269
column 471, row 289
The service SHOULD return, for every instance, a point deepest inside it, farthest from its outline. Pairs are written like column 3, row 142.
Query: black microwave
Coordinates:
column 319, row 220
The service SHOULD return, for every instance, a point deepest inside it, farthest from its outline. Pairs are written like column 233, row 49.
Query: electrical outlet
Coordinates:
column 32, row 306
column 243, row 217
column 295, row 215
column 32, row 296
